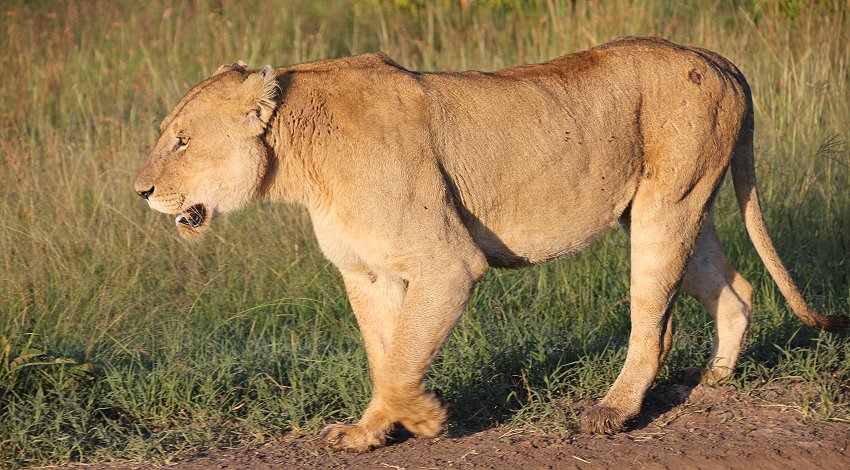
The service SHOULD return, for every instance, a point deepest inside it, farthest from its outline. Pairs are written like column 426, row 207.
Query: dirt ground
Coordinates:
column 680, row 427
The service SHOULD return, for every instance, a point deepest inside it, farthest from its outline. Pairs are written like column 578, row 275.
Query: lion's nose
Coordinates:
column 145, row 194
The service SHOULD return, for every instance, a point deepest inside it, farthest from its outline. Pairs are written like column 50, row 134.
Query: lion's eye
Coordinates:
column 182, row 141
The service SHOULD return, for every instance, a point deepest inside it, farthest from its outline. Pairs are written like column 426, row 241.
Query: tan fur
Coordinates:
column 417, row 182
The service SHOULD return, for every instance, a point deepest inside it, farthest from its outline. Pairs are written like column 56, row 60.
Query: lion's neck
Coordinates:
column 280, row 171
column 295, row 137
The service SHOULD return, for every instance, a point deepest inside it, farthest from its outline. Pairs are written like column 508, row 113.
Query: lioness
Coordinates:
column 417, row 182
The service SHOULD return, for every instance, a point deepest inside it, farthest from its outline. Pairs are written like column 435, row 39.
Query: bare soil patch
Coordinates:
column 680, row 427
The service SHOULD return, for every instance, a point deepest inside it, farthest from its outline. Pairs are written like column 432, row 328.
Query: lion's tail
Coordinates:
column 744, row 181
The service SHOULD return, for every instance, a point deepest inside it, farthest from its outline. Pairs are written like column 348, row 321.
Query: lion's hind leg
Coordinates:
column 727, row 296
column 665, row 220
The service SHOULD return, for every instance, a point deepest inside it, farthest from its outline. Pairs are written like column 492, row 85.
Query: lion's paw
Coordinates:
column 351, row 438
column 426, row 418
column 602, row 420
column 697, row 376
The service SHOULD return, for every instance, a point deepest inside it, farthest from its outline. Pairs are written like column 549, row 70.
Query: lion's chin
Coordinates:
column 194, row 222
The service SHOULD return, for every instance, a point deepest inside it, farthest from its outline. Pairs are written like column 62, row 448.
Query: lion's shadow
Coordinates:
column 467, row 416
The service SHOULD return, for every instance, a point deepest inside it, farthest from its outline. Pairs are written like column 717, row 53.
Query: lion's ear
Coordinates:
column 239, row 65
column 259, row 93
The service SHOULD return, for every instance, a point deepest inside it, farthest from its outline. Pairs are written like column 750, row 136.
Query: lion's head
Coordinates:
column 211, row 157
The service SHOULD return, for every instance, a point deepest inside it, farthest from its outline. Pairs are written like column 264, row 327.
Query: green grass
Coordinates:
column 117, row 340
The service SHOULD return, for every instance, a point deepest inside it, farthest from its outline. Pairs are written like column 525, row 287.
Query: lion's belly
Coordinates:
column 534, row 224
column 534, row 195
column 541, row 165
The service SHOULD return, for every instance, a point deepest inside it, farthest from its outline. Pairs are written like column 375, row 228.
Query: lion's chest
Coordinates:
column 346, row 248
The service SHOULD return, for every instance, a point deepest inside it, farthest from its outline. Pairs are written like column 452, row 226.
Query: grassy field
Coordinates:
column 118, row 340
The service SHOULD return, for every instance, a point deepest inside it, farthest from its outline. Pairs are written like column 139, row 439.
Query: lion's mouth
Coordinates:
column 193, row 217
column 193, row 221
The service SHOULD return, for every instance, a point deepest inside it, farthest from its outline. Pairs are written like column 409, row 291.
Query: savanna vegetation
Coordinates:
column 118, row 340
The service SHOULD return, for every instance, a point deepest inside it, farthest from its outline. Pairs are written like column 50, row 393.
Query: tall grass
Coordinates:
column 117, row 340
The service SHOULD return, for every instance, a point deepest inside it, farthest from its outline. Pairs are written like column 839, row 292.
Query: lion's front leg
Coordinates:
column 377, row 301
column 403, row 328
column 433, row 303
